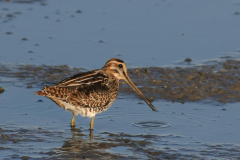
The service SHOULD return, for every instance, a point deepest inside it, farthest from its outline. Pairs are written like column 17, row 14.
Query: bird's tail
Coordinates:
column 40, row 93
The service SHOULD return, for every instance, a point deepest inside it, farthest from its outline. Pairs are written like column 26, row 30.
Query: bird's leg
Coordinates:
column 91, row 135
column 73, row 131
column 92, row 123
column 73, row 120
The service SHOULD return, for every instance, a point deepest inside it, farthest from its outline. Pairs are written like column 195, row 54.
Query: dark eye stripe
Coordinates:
column 115, row 70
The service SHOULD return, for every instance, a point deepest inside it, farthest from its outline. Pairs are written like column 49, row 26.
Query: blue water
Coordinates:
column 184, row 129
column 142, row 33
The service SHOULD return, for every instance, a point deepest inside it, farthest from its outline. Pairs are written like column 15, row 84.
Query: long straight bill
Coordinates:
column 128, row 80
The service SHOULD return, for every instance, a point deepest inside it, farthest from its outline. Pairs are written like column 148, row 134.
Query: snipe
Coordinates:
column 92, row 92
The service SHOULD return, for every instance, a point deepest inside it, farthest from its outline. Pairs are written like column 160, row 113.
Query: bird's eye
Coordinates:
column 120, row 65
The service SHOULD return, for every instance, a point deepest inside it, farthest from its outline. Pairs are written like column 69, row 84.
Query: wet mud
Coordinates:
column 218, row 82
column 214, row 82
column 38, row 75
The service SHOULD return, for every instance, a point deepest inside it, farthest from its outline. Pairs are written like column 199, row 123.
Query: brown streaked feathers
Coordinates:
column 89, row 89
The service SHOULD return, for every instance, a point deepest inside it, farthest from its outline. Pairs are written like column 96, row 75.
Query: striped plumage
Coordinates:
column 92, row 92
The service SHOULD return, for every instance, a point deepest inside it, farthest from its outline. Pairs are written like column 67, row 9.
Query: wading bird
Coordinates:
column 92, row 92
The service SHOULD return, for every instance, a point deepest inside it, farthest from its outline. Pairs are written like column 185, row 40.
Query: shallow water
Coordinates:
column 85, row 34
column 37, row 126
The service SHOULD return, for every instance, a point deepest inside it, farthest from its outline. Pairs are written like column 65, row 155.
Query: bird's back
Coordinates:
column 90, row 91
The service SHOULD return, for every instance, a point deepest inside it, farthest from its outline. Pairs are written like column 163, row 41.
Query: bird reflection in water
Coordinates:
column 75, row 130
column 78, row 143
column 80, row 147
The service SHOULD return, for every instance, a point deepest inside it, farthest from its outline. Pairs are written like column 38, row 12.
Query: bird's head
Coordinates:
column 118, row 69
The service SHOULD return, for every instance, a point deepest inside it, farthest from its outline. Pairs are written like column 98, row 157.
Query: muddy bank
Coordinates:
column 38, row 75
column 216, row 82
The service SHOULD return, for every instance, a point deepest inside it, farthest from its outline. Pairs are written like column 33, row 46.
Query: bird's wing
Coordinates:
column 89, row 89
column 83, row 78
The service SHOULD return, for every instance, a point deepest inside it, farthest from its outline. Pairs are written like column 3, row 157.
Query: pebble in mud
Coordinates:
column 1, row 90
column 188, row 60
column 151, row 99
column 29, row 86
column 8, row 32
column 24, row 39
column 78, row 11
column 236, row 13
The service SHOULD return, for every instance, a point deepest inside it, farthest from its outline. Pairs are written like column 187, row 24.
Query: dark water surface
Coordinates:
column 85, row 34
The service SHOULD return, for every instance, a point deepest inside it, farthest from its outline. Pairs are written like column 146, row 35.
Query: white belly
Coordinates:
column 84, row 111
